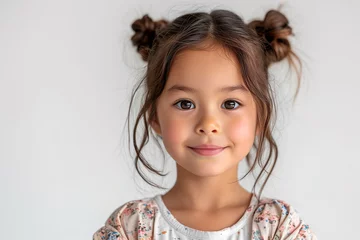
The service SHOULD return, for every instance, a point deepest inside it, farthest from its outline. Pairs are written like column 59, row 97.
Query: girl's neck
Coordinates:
column 206, row 194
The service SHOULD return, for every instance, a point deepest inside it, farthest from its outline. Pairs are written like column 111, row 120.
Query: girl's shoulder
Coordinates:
column 128, row 219
column 277, row 219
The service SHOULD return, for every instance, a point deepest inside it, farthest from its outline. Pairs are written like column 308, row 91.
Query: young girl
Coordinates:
column 208, row 98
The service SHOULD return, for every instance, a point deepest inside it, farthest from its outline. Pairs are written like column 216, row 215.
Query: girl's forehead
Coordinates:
column 213, row 66
column 210, row 51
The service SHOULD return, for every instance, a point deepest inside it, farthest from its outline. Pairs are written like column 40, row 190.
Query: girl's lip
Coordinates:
column 208, row 151
column 207, row 146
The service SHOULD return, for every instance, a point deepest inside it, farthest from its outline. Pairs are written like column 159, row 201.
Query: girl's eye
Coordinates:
column 187, row 104
column 232, row 103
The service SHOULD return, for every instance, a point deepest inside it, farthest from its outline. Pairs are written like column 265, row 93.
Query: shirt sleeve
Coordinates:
column 277, row 220
column 113, row 228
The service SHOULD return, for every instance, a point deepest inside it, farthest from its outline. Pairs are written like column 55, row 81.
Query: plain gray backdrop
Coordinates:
column 67, row 69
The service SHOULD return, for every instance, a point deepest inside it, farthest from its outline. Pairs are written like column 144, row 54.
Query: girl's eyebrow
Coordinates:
column 177, row 87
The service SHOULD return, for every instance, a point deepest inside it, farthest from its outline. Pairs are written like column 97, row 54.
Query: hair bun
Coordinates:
column 274, row 30
column 145, row 33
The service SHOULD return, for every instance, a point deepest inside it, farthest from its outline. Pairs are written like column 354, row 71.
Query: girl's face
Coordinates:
column 193, row 110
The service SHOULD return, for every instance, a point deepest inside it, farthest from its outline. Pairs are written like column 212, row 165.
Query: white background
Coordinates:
column 66, row 72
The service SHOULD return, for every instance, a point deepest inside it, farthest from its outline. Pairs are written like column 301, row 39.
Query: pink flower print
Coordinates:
column 128, row 211
column 292, row 227
column 263, row 216
column 273, row 219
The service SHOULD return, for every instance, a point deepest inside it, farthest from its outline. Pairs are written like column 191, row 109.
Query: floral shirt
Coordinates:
column 149, row 218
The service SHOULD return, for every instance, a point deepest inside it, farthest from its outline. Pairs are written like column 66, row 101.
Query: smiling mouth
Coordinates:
column 208, row 151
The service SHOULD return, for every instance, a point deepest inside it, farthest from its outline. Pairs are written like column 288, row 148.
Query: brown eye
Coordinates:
column 184, row 104
column 230, row 104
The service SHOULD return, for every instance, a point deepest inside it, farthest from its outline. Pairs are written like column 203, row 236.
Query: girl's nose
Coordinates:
column 208, row 125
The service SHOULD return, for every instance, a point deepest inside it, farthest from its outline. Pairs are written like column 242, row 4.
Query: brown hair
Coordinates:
column 256, row 45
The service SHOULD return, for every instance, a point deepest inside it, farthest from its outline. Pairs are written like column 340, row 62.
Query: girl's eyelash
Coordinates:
column 185, row 100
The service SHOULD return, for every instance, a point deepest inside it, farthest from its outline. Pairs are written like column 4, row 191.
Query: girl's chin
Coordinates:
column 206, row 169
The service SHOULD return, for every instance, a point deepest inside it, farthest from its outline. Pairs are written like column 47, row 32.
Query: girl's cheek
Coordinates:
column 242, row 129
column 175, row 136
column 175, row 130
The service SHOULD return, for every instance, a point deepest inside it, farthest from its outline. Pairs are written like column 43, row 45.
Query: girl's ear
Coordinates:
column 155, row 125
